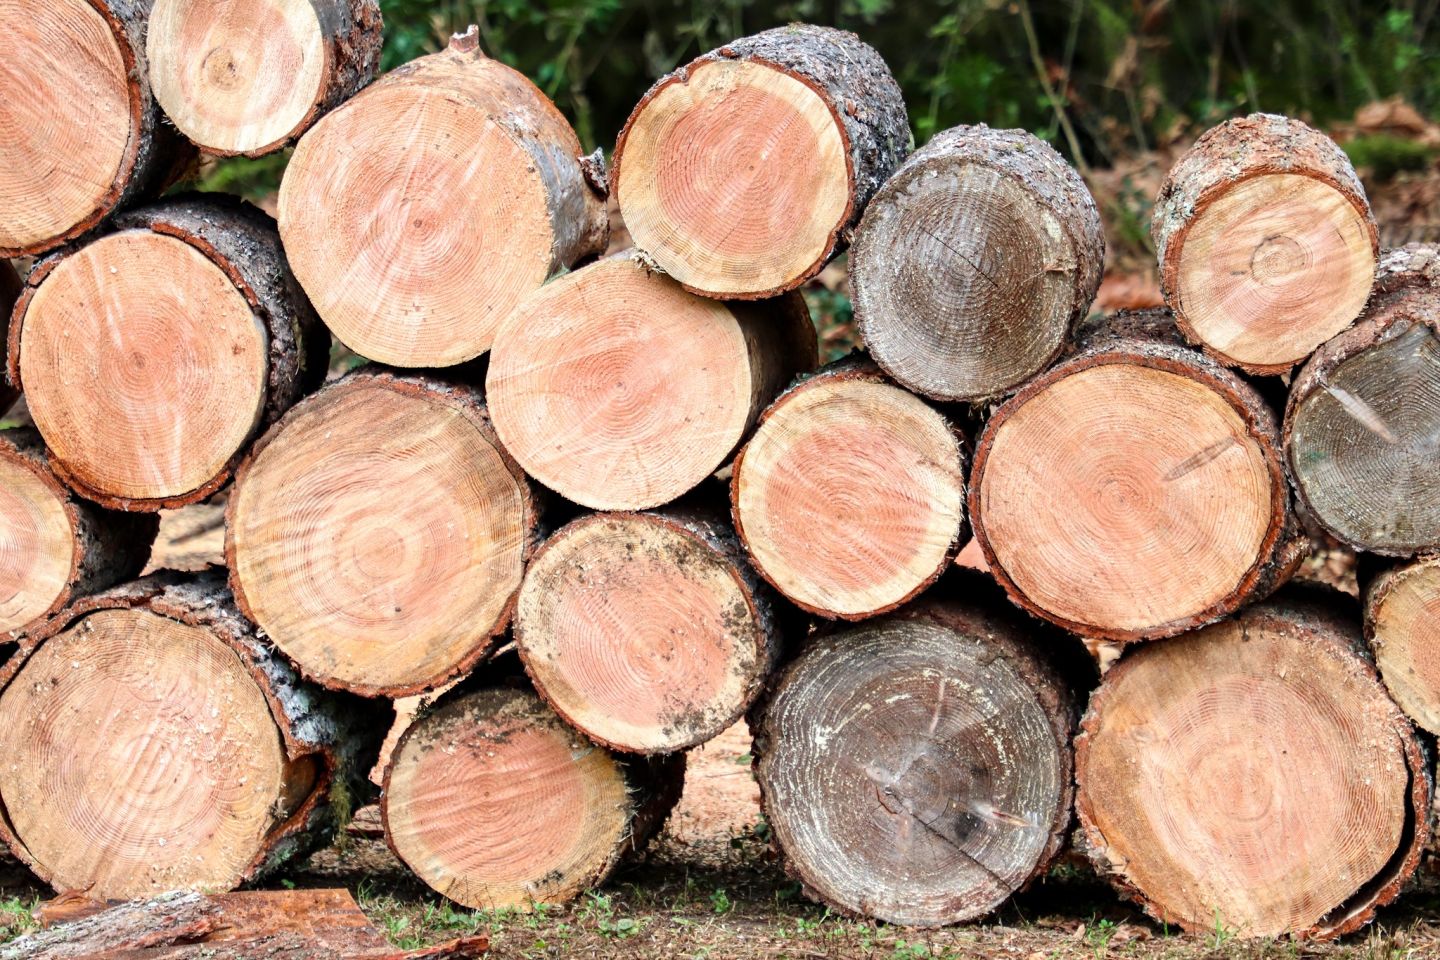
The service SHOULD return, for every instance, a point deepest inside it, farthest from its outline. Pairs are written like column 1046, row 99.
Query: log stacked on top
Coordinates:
column 387, row 534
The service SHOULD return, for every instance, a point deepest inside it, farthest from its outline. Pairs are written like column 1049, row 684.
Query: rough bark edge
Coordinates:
column 10, row 287
column 856, row 84
column 1312, row 612
column 708, row 528
column 1407, row 293
column 352, row 32
column 982, row 616
column 1285, row 545
column 156, row 155
column 653, row 783
column 1047, row 177
column 857, row 367
column 1223, row 157
column 331, row 732
column 469, row 402
column 244, row 243
column 109, row 546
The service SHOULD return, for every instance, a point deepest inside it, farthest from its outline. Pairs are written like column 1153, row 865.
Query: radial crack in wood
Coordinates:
column 974, row 263
column 419, row 213
column 497, row 804
column 248, row 78
column 1254, row 776
column 618, row 390
column 741, row 173
column 850, row 497
column 379, row 532
column 1266, row 242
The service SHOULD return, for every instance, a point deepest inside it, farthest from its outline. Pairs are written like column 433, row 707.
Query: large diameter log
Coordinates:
column 153, row 742
column 10, row 286
column 248, row 78
column 1135, row 490
column 152, row 356
column 1364, row 412
column 850, row 497
column 743, row 172
column 1266, row 242
column 378, row 534
column 84, row 135
column 647, row 631
column 917, row 769
column 497, row 804
column 975, row 262
column 55, row 547
column 1402, row 624
column 1254, row 775
column 419, row 213
column 619, row 390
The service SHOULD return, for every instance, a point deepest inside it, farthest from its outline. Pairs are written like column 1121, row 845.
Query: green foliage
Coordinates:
column 1384, row 155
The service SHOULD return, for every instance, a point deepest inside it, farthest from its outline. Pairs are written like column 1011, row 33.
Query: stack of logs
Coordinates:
column 595, row 510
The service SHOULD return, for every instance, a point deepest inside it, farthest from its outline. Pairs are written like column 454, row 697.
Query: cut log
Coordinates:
column 55, row 547
column 1254, row 776
column 10, row 286
column 379, row 532
column 917, row 769
column 419, row 213
column 1135, row 490
column 851, row 495
column 248, row 78
column 83, row 134
column 1402, row 624
column 144, row 401
column 1364, row 412
column 497, row 804
column 742, row 173
column 975, row 262
column 620, row 391
column 152, row 742
column 648, row 631
column 1266, row 242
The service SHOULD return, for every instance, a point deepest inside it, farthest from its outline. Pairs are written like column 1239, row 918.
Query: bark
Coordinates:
column 242, row 241
column 941, row 336
column 856, row 368
column 330, row 739
column 754, row 630
column 110, row 546
column 1149, row 340
column 973, row 790
column 10, row 286
column 856, row 85
column 468, row 402
column 1320, row 666
column 1222, row 158
column 156, row 157
column 1360, row 420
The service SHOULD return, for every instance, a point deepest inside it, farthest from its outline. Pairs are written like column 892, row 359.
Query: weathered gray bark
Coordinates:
column 975, row 262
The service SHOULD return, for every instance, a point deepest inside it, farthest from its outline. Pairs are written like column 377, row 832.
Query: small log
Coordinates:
column 379, row 532
column 647, row 631
column 497, row 804
column 154, row 743
column 850, row 497
column 1254, row 776
column 156, row 411
column 418, row 214
column 620, row 391
column 1266, row 242
column 249, row 78
column 57, row 547
column 84, row 134
column 975, row 262
column 10, row 286
column 1364, row 412
column 1402, row 624
column 743, row 173
column 1135, row 490
column 917, row 769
